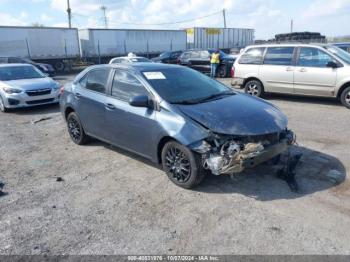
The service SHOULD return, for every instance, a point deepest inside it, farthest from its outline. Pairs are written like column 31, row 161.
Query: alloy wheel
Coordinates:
column 347, row 98
column 253, row 89
column 178, row 164
column 74, row 129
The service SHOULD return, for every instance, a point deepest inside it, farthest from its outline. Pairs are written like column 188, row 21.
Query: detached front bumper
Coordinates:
column 237, row 82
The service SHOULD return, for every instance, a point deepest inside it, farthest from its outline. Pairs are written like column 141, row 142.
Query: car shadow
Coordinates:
column 36, row 110
column 261, row 182
column 314, row 173
column 304, row 99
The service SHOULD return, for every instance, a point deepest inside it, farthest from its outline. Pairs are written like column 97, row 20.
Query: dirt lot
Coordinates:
column 113, row 202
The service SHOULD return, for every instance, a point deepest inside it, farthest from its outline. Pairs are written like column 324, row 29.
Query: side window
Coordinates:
column 252, row 56
column 124, row 61
column 96, row 80
column 116, row 61
column 125, row 86
column 313, row 57
column 195, row 54
column 279, row 56
column 185, row 56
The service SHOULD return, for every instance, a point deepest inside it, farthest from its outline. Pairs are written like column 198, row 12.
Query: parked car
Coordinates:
column 129, row 59
column 23, row 85
column 298, row 69
column 175, row 116
column 45, row 68
column 200, row 61
column 170, row 57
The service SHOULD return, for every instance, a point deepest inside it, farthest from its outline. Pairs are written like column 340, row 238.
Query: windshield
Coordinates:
column 184, row 85
column 165, row 54
column 140, row 59
column 340, row 53
column 19, row 72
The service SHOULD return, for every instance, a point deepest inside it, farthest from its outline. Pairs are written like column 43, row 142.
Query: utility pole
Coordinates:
column 224, row 15
column 291, row 26
column 69, row 11
column 103, row 8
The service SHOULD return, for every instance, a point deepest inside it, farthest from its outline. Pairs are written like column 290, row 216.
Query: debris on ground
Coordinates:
column 59, row 179
column 41, row 120
column 2, row 193
column 335, row 176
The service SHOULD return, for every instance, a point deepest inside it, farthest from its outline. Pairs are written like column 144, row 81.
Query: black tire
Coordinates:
column 345, row 97
column 3, row 108
column 222, row 71
column 75, row 129
column 254, row 88
column 183, row 167
column 59, row 66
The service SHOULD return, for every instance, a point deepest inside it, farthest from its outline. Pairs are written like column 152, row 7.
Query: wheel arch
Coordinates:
column 253, row 78
column 341, row 89
column 160, row 146
column 67, row 111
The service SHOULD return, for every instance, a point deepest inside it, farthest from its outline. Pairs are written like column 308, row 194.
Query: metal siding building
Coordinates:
column 223, row 38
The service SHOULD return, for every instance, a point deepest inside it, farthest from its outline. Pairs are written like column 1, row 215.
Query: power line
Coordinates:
column 172, row 23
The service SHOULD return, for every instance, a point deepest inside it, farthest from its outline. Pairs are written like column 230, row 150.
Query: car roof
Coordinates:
column 130, row 57
column 290, row 44
column 14, row 65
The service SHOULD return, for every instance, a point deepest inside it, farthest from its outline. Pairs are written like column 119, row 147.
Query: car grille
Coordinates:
column 41, row 101
column 38, row 92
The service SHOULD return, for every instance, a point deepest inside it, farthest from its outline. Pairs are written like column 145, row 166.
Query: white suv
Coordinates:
column 300, row 69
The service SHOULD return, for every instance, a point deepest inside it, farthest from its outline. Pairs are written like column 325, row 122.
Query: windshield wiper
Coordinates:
column 215, row 96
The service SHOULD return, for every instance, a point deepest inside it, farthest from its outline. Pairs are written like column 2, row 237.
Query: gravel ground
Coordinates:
column 114, row 202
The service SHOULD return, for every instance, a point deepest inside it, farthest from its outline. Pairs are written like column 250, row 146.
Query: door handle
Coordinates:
column 289, row 69
column 303, row 70
column 110, row 106
column 77, row 95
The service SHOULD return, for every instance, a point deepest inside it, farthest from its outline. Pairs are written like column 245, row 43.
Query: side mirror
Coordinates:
column 140, row 101
column 332, row 64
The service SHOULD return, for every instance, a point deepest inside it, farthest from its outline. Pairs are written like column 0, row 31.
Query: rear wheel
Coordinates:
column 3, row 108
column 75, row 129
column 254, row 88
column 59, row 65
column 183, row 167
column 345, row 97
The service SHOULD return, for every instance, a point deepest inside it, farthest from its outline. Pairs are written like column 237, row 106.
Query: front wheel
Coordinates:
column 254, row 88
column 183, row 167
column 345, row 97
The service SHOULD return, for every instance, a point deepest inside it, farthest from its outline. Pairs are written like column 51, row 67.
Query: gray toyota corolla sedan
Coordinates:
column 23, row 85
column 174, row 116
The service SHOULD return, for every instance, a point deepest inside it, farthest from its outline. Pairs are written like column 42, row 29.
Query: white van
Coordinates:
column 300, row 69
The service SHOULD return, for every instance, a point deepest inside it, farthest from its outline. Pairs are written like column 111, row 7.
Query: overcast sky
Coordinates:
column 267, row 17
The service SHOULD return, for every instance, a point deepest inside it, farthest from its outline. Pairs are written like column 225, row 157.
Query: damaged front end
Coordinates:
column 228, row 154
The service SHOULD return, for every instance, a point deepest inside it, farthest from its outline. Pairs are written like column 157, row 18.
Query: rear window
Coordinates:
column 252, row 56
column 279, row 56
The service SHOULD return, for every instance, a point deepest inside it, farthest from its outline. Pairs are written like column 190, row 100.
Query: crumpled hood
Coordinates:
column 237, row 115
column 32, row 84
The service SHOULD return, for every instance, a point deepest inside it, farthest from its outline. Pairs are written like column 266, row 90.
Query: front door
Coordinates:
column 128, row 126
column 312, row 76
column 277, row 71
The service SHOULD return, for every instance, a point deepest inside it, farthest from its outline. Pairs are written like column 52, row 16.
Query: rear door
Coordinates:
column 312, row 76
column 277, row 71
column 91, row 95
column 128, row 126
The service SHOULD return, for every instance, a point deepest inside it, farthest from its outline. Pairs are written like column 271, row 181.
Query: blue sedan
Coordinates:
column 174, row 116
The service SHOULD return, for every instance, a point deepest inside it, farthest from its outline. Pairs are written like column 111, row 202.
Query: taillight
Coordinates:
column 61, row 90
column 232, row 72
